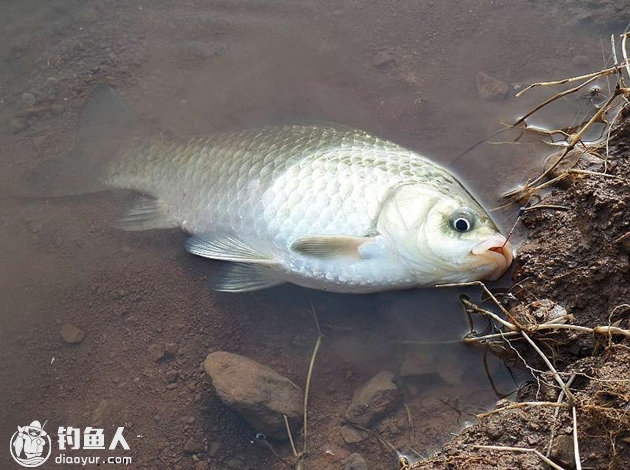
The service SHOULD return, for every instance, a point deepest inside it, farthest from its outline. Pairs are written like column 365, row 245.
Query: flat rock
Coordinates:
column 352, row 435
column 28, row 100
column 450, row 369
column 546, row 310
column 490, row 88
column 258, row 393
column 562, row 449
column 71, row 334
column 419, row 361
column 355, row 462
column 373, row 400
column 193, row 446
column 384, row 59
column 171, row 376
column 581, row 60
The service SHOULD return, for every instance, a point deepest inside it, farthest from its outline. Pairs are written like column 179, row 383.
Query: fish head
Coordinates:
column 444, row 236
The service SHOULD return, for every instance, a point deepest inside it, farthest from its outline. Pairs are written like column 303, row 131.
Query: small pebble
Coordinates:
column 71, row 334
column 28, row 100
column 213, row 448
column 171, row 348
column 580, row 61
column 234, row 463
column 193, row 446
column 384, row 59
column 355, row 462
column 57, row 109
column 352, row 435
column 171, row 376
column 562, row 449
column 494, row 431
column 490, row 88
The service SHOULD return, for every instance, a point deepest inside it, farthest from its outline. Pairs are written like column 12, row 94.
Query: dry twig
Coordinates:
column 574, row 136
column 555, row 414
column 307, row 388
column 523, row 449
column 523, row 404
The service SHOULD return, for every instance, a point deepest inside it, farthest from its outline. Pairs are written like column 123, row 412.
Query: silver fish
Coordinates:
column 328, row 208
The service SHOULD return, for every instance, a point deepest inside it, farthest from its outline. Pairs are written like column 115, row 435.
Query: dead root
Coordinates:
column 572, row 138
column 605, row 404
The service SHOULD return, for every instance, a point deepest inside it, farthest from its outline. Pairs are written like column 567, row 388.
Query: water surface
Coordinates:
column 405, row 71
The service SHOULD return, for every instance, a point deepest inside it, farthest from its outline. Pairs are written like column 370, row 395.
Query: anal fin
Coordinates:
column 146, row 213
column 242, row 277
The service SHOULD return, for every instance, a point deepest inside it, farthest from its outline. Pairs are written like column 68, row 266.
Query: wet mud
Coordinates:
column 145, row 310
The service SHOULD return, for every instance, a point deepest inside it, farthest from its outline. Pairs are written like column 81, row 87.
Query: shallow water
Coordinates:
column 405, row 71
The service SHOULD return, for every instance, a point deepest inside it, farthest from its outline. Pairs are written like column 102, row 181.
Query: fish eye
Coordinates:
column 463, row 220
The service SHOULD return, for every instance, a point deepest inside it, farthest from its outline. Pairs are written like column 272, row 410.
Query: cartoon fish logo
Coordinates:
column 29, row 443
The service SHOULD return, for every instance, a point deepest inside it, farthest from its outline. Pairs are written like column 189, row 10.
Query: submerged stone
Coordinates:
column 71, row 334
column 490, row 88
column 373, row 400
column 257, row 392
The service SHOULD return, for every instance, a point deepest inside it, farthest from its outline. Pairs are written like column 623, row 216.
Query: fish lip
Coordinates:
column 494, row 251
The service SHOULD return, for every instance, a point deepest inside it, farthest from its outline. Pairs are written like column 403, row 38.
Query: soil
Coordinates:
column 104, row 328
column 578, row 259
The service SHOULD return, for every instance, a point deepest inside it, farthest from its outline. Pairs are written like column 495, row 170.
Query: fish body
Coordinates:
column 328, row 208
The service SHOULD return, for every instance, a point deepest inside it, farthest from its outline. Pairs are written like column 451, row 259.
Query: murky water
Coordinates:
column 405, row 71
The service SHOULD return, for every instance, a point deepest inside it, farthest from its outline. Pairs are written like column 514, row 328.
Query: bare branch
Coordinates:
column 286, row 423
column 555, row 413
column 625, row 52
column 523, row 404
column 601, row 73
column 553, row 370
column 576, row 447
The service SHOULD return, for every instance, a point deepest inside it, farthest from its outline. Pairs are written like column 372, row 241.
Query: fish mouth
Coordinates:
column 496, row 253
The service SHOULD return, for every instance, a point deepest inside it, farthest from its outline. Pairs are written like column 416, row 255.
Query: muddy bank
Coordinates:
column 578, row 258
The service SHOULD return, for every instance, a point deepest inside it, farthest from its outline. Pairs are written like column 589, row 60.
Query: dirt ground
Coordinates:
column 144, row 305
column 578, row 259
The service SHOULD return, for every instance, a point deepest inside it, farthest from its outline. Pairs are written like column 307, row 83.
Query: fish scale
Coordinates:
column 272, row 186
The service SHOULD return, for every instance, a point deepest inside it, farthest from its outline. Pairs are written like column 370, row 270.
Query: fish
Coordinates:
column 330, row 208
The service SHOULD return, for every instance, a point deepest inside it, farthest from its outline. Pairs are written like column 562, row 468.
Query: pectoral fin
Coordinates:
column 325, row 246
column 240, row 277
column 227, row 248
